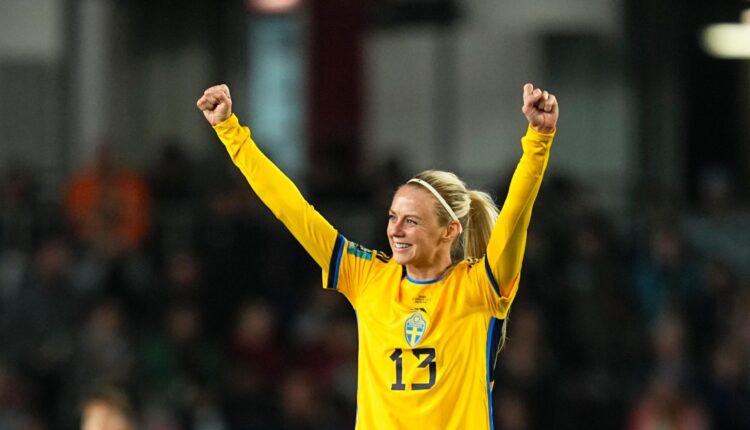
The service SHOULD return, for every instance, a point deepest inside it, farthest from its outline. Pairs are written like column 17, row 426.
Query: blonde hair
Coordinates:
column 476, row 211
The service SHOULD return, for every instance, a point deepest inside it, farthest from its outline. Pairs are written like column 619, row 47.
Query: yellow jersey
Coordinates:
column 427, row 349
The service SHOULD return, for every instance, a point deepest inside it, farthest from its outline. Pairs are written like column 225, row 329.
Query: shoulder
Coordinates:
column 469, row 262
column 468, row 267
column 356, row 250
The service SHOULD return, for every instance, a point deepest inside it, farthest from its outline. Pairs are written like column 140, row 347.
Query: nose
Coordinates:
column 395, row 228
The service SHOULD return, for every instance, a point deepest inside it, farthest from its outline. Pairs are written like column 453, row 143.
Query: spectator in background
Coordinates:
column 668, row 400
column 225, row 254
column 664, row 405
column 726, row 392
column 525, row 374
column 310, row 324
column 175, row 200
column 182, row 280
column 172, row 180
column 255, row 342
column 670, row 351
column 256, row 360
column 43, row 319
column 512, row 411
column 17, row 225
column 107, row 408
column 598, row 306
column 108, row 206
column 302, row 405
column 720, row 228
column 18, row 211
column 665, row 272
column 181, row 367
column 102, row 354
column 707, row 320
column 16, row 402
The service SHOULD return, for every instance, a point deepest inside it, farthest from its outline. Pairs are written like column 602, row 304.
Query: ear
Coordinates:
column 452, row 231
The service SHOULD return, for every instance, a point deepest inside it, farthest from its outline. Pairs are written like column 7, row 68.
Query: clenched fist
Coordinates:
column 216, row 104
column 540, row 109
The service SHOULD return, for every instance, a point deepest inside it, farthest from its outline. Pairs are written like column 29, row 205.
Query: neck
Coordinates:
column 431, row 272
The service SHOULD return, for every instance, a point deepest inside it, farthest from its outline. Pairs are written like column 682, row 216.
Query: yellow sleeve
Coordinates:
column 278, row 192
column 508, row 240
column 352, row 268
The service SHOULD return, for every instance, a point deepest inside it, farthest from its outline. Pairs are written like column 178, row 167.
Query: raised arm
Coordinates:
column 508, row 240
column 274, row 188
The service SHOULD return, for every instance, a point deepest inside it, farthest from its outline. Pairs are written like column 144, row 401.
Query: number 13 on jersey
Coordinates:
column 424, row 359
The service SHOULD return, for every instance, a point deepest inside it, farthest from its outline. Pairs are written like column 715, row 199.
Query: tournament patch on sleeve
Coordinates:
column 358, row 250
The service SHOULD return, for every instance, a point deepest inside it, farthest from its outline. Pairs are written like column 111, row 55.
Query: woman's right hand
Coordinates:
column 216, row 104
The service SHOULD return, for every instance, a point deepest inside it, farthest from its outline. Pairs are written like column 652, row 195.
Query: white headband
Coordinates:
column 440, row 198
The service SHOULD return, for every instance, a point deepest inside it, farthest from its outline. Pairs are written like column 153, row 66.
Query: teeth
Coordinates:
column 402, row 245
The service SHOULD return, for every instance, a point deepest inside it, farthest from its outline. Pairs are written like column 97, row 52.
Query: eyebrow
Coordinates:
column 390, row 212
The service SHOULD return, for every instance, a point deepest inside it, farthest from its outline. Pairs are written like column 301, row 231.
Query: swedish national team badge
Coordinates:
column 414, row 328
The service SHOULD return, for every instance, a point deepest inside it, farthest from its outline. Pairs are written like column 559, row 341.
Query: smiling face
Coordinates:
column 416, row 237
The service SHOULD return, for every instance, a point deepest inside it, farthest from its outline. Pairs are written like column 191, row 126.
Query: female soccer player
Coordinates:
column 431, row 317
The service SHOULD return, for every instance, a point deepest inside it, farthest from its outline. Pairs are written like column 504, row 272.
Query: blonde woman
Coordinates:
column 431, row 316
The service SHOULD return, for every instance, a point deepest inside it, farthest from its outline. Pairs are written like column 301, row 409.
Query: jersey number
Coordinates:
column 428, row 362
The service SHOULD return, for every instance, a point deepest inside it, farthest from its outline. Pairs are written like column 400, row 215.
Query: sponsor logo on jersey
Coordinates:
column 421, row 299
column 358, row 250
column 414, row 328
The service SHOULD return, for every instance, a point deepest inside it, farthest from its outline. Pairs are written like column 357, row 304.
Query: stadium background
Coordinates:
column 175, row 285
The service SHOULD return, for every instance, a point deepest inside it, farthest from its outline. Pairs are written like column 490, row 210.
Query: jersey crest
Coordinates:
column 414, row 328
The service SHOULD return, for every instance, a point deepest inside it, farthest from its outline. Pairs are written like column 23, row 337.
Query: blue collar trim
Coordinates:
column 429, row 281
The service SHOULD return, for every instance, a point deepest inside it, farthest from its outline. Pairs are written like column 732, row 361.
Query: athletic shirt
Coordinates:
column 427, row 349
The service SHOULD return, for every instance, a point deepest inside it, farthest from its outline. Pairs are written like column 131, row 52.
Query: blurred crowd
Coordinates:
column 172, row 296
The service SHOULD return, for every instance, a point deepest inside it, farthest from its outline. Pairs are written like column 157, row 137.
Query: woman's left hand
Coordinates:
column 540, row 108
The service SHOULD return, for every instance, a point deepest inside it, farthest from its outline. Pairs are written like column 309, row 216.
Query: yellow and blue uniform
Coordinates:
column 427, row 349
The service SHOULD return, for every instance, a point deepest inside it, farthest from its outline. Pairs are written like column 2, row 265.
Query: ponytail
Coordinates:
column 478, row 224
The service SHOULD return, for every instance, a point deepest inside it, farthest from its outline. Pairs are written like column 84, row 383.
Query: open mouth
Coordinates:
column 401, row 246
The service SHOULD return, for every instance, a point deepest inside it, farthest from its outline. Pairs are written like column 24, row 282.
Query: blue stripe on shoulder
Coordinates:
column 491, row 335
column 494, row 338
column 333, row 267
column 490, row 276
column 356, row 410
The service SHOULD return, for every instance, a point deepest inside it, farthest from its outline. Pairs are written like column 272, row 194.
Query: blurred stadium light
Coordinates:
column 728, row 40
column 272, row 6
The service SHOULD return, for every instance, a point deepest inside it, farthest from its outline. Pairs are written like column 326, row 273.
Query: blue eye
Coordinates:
column 411, row 221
